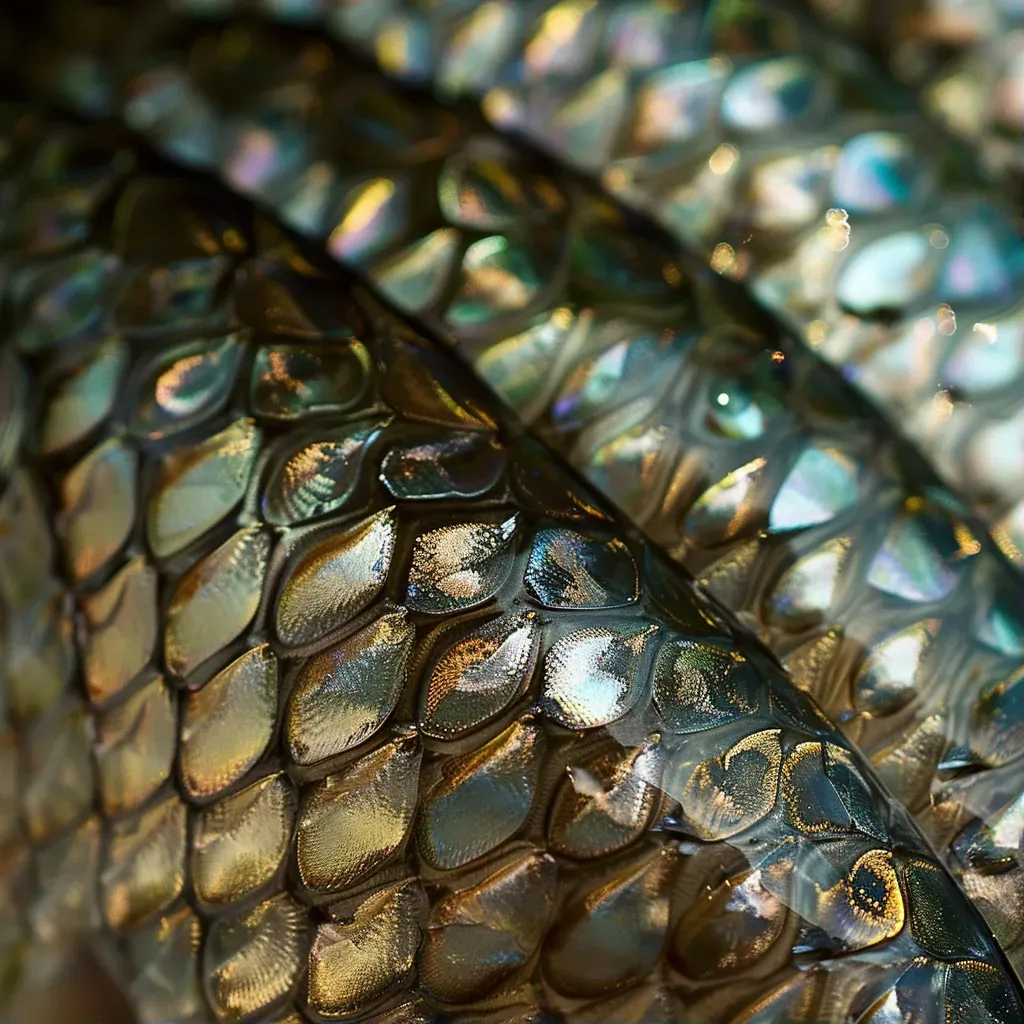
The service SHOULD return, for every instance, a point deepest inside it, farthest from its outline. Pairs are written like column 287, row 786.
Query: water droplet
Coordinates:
column 737, row 411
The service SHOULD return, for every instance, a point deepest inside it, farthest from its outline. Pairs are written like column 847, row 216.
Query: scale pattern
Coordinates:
column 887, row 250
column 965, row 59
column 330, row 696
column 746, row 458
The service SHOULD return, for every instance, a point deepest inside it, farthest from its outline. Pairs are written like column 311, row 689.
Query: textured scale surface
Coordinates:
column 747, row 459
column 332, row 698
column 444, row 752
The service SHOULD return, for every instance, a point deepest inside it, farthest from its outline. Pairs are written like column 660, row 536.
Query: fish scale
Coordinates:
column 195, row 615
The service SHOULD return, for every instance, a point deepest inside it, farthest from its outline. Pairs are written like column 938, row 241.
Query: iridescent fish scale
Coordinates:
column 387, row 830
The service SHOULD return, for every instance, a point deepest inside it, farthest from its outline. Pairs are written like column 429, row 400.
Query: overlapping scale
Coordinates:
column 84, row 398
column 38, row 654
column 197, row 487
column 186, row 386
column 612, row 934
column 479, row 676
column 135, row 748
column 121, row 623
column 442, row 466
column 355, row 821
column 714, row 937
column 480, row 799
column 251, row 961
column 568, row 569
column 98, row 507
column 372, row 217
column 728, row 792
column 369, row 951
column 228, row 723
column 239, row 843
column 215, row 600
column 343, row 695
column 319, row 476
column 164, row 959
column 291, row 381
column 699, row 686
column 534, row 772
column 63, row 302
column 413, row 279
column 607, row 801
column 593, row 676
column 479, row 936
column 335, row 578
column 459, row 566
column 144, row 865
column 57, row 780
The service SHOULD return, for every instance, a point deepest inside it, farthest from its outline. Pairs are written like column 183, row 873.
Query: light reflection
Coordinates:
column 723, row 158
